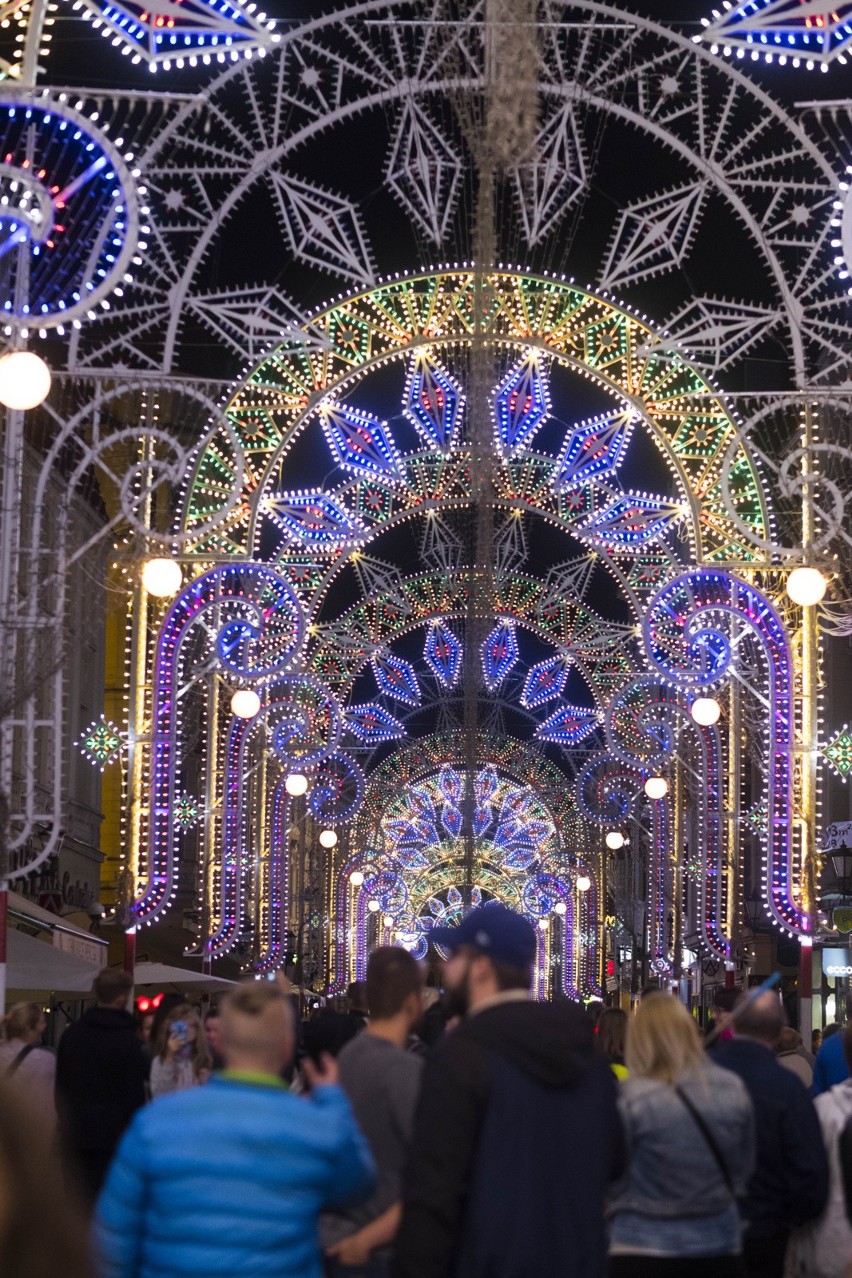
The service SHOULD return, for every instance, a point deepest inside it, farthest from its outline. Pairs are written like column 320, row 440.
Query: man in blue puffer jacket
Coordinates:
column 229, row 1179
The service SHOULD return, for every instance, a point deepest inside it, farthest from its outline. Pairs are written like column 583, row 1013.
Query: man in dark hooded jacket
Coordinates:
column 517, row 1134
column 100, row 1079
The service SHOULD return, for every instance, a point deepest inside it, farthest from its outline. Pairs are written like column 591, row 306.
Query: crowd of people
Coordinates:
column 482, row 1135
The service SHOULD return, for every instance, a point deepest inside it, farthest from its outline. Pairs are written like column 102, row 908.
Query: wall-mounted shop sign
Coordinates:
column 837, row 962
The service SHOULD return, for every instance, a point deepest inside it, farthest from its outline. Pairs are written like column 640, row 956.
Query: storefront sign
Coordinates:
column 837, row 962
column 80, row 947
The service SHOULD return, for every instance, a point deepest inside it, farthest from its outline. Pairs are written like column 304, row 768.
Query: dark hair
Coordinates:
column 510, row 976
column 327, row 1031
column 612, row 1033
column 761, row 1018
column 356, row 996
column 725, row 997
column 41, row 1224
column 110, row 984
column 392, row 975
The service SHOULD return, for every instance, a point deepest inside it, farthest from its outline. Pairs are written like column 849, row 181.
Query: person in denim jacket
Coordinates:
column 690, row 1134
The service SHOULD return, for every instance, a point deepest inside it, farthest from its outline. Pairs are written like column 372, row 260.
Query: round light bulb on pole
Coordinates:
column 614, row 840
column 356, row 878
column 24, row 380
column 544, row 924
column 373, row 907
column 656, row 787
column 161, row 577
column 705, row 711
column 583, row 883
column 388, row 920
column 560, row 908
column 245, row 703
column 806, row 586
column 327, row 839
column 296, row 784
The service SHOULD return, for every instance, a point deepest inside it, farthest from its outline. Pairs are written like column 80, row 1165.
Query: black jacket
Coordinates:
column 100, row 1079
column 515, row 1141
column 789, row 1185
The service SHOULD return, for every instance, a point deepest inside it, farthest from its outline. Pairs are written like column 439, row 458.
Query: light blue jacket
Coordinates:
column 673, row 1183
column 229, row 1179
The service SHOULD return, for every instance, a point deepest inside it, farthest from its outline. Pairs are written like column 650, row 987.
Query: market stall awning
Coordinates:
column 162, row 974
column 35, row 967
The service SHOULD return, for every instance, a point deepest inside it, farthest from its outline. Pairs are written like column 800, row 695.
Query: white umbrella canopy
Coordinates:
column 34, row 967
column 161, row 974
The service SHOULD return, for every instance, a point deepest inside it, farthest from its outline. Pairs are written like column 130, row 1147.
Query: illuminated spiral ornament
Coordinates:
column 607, row 788
column 388, row 888
column 253, row 621
column 642, row 722
column 541, row 893
column 304, row 721
column 685, row 631
column 337, row 790
column 69, row 215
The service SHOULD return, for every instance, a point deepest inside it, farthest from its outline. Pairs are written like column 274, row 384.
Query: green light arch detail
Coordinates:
column 685, row 416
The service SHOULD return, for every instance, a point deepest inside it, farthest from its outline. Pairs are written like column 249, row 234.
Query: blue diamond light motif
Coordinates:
column 521, row 403
column 545, row 682
column 443, row 654
column 568, row 725
column 593, row 448
column 360, row 443
column 372, row 723
column 433, row 403
column 314, row 518
column 632, row 522
column 499, row 653
column 396, row 678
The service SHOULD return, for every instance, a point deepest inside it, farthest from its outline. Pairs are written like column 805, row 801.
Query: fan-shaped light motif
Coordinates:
column 521, row 403
column 360, row 443
column 443, row 653
column 396, row 678
column 433, row 403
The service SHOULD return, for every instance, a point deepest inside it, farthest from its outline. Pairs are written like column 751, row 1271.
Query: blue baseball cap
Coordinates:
column 495, row 930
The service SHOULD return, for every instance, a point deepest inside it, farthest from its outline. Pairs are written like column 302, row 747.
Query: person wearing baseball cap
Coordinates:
column 517, row 1134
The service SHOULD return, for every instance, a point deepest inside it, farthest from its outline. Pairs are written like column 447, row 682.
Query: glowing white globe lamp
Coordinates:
column 560, row 908
column 806, row 586
column 296, row 784
column 161, row 577
column 373, row 907
column 583, row 882
column 544, row 924
column 656, row 787
column 356, row 878
column 327, row 839
column 705, row 711
column 614, row 840
column 388, row 920
column 245, row 703
column 24, row 379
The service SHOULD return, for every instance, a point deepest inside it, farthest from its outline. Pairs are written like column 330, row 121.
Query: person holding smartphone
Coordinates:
column 181, row 1055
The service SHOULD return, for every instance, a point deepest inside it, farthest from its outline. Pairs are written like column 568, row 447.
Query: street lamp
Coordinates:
column 245, row 703
column 656, row 787
column 841, row 861
column 295, row 784
column 583, row 883
column 24, row 380
column 806, row 586
column 327, row 839
column 614, row 840
column 161, row 577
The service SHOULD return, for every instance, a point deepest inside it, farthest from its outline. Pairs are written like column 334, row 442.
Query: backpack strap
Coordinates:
column 20, row 1058
column 709, row 1140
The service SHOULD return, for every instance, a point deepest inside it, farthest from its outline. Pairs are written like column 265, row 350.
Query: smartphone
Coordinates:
column 180, row 1031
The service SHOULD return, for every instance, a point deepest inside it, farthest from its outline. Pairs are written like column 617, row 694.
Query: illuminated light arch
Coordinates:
column 589, row 334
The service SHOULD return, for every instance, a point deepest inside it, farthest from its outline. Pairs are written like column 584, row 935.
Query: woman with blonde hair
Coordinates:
column 24, row 1061
column 690, row 1132
column 181, row 1055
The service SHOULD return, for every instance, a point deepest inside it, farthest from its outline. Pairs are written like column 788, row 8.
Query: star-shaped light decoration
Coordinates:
column 101, row 743
column 757, row 817
column 838, row 752
column 187, row 811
